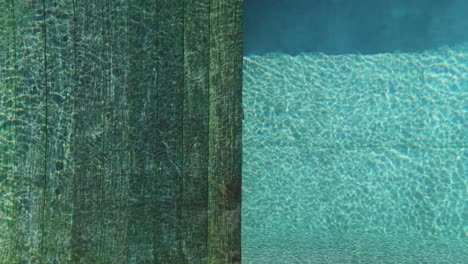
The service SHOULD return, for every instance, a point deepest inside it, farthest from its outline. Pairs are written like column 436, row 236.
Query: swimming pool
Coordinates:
column 355, row 158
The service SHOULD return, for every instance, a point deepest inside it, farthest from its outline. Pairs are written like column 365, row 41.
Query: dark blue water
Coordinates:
column 351, row 26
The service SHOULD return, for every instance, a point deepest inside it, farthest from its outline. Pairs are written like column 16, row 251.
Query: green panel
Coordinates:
column 142, row 126
column 9, row 235
column 114, row 197
column 106, row 115
column 23, row 133
column 89, row 149
column 57, row 198
column 168, row 149
column 225, row 131
column 194, row 213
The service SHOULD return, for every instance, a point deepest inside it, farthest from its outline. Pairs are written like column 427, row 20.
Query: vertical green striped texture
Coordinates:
column 120, row 131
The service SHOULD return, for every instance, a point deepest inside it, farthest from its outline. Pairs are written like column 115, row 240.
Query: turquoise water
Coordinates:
column 355, row 158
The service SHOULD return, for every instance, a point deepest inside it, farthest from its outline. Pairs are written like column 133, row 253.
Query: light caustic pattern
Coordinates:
column 362, row 144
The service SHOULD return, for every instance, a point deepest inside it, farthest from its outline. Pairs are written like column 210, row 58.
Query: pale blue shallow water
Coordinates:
column 356, row 158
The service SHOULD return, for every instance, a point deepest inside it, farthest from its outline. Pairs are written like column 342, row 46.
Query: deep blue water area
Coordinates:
column 352, row 26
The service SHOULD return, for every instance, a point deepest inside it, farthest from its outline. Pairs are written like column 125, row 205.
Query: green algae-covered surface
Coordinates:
column 355, row 158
